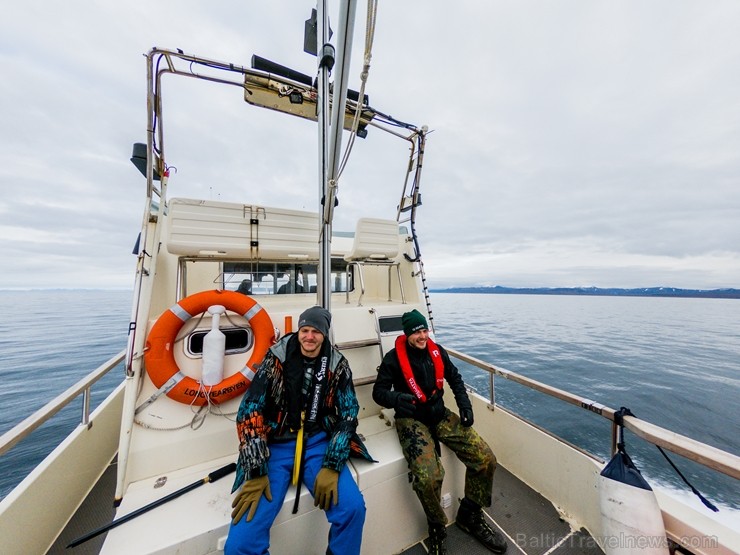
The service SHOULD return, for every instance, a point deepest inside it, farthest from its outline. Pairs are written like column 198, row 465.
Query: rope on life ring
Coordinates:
column 159, row 357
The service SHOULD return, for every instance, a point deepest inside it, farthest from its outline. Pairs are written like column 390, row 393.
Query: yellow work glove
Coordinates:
column 248, row 498
column 325, row 488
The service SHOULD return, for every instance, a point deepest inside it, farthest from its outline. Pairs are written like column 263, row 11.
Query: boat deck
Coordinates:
column 95, row 512
column 530, row 523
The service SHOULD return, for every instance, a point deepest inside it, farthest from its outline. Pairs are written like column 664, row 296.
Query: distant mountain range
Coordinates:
column 598, row 291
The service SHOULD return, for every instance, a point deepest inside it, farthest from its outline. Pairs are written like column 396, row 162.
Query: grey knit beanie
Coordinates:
column 316, row 317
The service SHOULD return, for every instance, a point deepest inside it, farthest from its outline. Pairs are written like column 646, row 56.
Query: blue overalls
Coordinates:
column 346, row 518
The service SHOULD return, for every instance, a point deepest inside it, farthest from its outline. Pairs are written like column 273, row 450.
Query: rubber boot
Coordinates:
column 437, row 539
column 470, row 519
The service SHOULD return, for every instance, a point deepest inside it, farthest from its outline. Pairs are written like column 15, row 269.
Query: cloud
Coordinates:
column 573, row 143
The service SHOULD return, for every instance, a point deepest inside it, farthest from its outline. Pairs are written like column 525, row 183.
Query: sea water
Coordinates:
column 49, row 340
column 672, row 361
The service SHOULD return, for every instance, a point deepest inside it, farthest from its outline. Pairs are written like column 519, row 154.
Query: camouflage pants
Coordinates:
column 426, row 470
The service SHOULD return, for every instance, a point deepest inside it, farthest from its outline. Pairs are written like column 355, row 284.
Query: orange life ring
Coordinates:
column 159, row 357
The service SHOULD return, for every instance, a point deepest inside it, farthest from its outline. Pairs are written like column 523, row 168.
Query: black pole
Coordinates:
column 212, row 477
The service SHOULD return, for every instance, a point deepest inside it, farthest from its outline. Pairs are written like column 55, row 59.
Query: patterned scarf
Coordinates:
column 294, row 376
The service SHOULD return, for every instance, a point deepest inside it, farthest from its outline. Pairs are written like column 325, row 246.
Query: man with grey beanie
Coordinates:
column 301, row 406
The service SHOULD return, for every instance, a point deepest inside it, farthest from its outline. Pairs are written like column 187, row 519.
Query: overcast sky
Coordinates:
column 574, row 143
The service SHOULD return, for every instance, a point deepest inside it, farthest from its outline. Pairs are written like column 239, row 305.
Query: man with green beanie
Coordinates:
column 411, row 380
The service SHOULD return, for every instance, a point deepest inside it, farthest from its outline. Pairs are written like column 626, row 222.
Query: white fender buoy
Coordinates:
column 630, row 515
column 214, row 349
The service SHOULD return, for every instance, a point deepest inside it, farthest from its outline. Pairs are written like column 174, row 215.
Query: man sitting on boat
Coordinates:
column 411, row 380
column 301, row 406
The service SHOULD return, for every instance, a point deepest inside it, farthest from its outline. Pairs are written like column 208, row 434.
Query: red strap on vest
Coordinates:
column 408, row 374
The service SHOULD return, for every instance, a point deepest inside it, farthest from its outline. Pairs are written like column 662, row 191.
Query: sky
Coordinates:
column 573, row 143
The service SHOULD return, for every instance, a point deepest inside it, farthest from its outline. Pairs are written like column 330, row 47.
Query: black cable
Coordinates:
column 693, row 489
column 619, row 421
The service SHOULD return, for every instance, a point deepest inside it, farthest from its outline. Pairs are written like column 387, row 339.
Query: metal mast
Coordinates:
column 330, row 135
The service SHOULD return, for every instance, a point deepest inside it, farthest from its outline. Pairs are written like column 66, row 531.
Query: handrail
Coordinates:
column 31, row 423
column 360, row 343
column 704, row 454
column 390, row 263
column 357, row 382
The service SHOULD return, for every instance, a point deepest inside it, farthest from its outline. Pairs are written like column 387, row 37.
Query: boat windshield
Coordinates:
column 278, row 278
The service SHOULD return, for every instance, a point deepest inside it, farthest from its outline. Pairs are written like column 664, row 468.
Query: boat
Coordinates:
column 149, row 470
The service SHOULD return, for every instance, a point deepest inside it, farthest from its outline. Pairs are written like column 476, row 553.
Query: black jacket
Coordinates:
column 390, row 383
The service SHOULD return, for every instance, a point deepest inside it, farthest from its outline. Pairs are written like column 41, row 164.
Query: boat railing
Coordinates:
column 390, row 263
column 82, row 387
column 704, row 454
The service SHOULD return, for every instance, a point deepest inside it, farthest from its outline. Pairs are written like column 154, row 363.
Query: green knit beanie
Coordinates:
column 413, row 321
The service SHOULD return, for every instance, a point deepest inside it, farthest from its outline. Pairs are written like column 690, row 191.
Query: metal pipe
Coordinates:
column 146, row 275
column 85, row 420
column 614, row 439
column 323, row 287
column 339, row 101
column 339, row 96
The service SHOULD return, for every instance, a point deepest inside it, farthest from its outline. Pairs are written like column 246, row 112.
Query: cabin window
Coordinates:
column 390, row 324
column 238, row 340
column 278, row 278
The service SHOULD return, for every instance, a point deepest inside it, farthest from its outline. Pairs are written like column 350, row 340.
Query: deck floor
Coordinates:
column 96, row 511
column 530, row 523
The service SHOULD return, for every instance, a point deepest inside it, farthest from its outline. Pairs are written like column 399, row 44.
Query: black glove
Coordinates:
column 405, row 405
column 466, row 417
